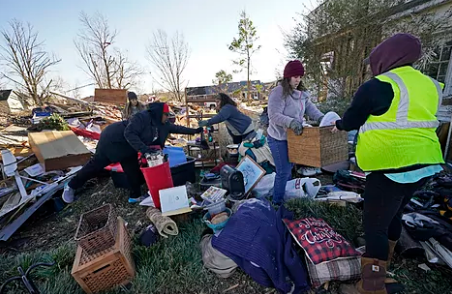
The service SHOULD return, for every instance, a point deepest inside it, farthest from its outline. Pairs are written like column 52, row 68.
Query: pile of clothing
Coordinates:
column 267, row 244
column 257, row 148
column 428, row 219
column 256, row 240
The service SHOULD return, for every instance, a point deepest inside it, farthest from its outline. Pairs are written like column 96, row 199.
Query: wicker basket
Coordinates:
column 106, row 269
column 97, row 229
column 317, row 147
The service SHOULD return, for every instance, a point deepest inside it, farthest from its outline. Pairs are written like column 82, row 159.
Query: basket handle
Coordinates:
column 101, row 269
column 90, row 239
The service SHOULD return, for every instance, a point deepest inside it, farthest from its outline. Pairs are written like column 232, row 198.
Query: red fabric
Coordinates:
column 319, row 241
column 293, row 68
column 85, row 133
column 166, row 108
column 116, row 167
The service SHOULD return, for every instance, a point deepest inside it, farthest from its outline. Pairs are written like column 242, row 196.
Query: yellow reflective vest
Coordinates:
column 406, row 134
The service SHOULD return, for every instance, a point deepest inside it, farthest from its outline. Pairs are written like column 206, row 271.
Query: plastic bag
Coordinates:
column 264, row 188
column 302, row 188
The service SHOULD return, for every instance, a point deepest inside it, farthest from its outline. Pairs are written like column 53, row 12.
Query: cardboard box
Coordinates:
column 58, row 150
column 317, row 146
column 111, row 96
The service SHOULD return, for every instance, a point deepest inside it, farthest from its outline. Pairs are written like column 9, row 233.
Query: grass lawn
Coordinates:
column 173, row 265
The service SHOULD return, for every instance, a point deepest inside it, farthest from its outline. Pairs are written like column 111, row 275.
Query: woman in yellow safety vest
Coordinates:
column 395, row 113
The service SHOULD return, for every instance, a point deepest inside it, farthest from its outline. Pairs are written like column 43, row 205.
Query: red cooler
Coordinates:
column 157, row 178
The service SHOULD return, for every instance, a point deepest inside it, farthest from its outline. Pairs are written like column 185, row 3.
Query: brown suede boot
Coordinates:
column 392, row 245
column 392, row 286
column 373, row 274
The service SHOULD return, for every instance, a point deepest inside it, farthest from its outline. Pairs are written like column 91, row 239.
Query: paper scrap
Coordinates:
column 424, row 267
column 35, row 170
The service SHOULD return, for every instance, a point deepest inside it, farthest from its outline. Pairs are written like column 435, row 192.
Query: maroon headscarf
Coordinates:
column 396, row 51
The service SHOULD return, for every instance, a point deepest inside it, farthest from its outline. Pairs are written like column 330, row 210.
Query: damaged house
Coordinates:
column 339, row 34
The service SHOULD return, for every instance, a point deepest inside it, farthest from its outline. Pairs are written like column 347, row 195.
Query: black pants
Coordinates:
column 384, row 201
column 106, row 155
column 239, row 139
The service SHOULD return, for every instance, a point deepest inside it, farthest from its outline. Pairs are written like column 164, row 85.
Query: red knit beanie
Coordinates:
column 293, row 68
column 166, row 108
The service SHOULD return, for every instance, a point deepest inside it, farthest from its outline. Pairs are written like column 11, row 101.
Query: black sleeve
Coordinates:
column 176, row 129
column 374, row 97
column 132, row 134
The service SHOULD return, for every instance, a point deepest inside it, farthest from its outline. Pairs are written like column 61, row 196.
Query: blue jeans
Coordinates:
column 283, row 167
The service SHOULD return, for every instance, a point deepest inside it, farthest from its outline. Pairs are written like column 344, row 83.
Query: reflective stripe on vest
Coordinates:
column 402, row 110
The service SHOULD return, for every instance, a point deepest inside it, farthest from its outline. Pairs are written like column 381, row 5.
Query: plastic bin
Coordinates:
column 216, row 227
column 184, row 172
column 176, row 155
column 216, row 208
column 181, row 174
column 157, row 178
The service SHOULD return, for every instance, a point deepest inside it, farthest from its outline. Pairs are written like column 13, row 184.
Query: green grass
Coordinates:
column 174, row 265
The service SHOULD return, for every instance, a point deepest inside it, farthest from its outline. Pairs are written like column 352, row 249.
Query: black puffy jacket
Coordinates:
column 143, row 130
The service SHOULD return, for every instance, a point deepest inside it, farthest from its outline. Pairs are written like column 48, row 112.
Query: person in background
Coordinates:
column 121, row 142
column 239, row 126
column 287, row 104
column 133, row 107
column 395, row 113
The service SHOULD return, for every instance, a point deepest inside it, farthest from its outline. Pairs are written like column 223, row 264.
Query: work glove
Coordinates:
column 297, row 127
column 148, row 151
column 202, row 123
column 320, row 119
column 199, row 130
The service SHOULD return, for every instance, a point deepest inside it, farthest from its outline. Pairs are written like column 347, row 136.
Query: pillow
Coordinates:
column 319, row 240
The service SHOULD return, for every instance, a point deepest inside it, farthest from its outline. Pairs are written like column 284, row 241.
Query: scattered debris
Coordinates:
column 424, row 267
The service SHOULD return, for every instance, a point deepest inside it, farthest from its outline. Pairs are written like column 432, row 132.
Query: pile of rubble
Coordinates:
column 38, row 158
column 35, row 165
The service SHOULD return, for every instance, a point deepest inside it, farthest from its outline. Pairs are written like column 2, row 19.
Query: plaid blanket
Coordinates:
column 342, row 269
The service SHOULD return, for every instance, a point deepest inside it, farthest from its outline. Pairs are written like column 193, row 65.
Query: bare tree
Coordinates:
column 108, row 66
column 23, row 54
column 169, row 57
column 2, row 80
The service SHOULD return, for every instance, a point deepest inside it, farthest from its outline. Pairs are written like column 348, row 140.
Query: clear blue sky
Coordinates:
column 208, row 27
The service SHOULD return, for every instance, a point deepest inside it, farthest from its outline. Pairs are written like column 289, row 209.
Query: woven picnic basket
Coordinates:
column 317, row 147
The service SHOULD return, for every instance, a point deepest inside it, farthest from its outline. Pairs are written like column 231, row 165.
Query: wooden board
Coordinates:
column 110, row 96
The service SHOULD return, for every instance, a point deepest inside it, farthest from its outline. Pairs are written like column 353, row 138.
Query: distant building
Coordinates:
column 10, row 101
column 239, row 90
column 88, row 99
